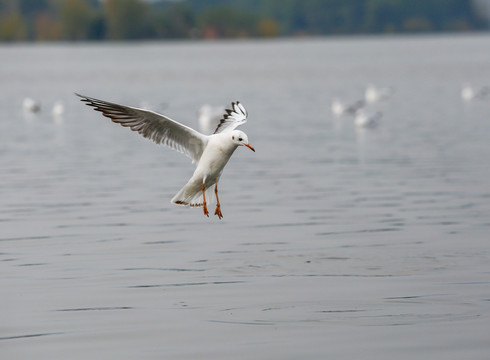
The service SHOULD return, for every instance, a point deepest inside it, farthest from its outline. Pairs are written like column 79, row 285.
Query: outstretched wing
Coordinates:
column 153, row 126
column 233, row 118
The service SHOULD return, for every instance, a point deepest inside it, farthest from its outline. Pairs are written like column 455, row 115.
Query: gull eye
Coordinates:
column 240, row 139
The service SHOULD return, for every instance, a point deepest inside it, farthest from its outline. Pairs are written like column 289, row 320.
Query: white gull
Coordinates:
column 58, row 108
column 365, row 120
column 339, row 108
column 31, row 105
column 374, row 94
column 209, row 117
column 469, row 93
column 210, row 153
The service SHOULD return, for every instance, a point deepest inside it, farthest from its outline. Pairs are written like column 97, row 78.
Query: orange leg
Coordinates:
column 204, row 208
column 218, row 208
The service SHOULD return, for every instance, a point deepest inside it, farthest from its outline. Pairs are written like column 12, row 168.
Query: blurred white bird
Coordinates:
column 58, row 108
column 144, row 104
column 30, row 105
column 365, row 120
column 209, row 117
column 469, row 93
column 374, row 94
column 339, row 108
column 210, row 153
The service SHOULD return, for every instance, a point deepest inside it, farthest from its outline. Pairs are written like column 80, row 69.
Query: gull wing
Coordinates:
column 156, row 127
column 233, row 118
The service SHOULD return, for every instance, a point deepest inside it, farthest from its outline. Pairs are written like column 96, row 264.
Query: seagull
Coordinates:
column 210, row 153
column 31, row 105
column 58, row 108
column 374, row 94
column 209, row 117
column 339, row 108
column 468, row 93
column 364, row 120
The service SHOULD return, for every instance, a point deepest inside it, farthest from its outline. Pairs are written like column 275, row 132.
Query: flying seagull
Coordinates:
column 210, row 153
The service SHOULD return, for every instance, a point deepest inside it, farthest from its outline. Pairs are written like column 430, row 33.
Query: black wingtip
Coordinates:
column 83, row 97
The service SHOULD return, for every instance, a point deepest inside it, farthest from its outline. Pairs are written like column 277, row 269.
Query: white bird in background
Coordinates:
column 339, row 108
column 468, row 93
column 364, row 120
column 144, row 104
column 58, row 108
column 31, row 105
column 209, row 117
column 374, row 94
column 210, row 153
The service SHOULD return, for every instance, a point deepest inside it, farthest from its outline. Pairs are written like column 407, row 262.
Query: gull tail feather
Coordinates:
column 191, row 195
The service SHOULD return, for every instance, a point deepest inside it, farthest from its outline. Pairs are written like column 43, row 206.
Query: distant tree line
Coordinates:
column 69, row 20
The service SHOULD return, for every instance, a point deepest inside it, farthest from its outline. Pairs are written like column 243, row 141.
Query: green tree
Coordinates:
column 176, row 21
column 12, row 27
column 267, row 28
column 76, row 17
column 46, row 27
column 127, row 19
column 143, row 19
column 228, row 22
column 382, row 16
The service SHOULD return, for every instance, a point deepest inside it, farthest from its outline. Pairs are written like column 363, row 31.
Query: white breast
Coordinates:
column 215, row 157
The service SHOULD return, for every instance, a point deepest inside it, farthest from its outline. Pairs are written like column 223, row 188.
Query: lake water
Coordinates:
column 336, row 242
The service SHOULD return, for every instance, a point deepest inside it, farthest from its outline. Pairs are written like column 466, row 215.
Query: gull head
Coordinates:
column 240, row 139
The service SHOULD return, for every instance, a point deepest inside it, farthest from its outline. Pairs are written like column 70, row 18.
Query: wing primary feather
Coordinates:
column 232, row 118
column 156, row 127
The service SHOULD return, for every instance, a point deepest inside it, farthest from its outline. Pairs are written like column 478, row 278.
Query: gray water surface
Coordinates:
column 336, row 242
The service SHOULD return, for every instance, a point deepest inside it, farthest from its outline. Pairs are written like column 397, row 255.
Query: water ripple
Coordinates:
column 29, row 336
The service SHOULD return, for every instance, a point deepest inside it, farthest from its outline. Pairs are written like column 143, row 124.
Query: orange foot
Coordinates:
column 218, row 212
column 205, row 210
column 218, row 208
column 204, row 207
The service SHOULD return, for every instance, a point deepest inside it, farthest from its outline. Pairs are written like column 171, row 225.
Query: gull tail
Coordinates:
column 191, row 195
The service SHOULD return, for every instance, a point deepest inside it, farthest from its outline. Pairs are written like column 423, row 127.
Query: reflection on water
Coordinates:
column 336, row 240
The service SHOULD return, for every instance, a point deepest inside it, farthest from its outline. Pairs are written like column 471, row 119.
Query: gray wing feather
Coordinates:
column 156, row 127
